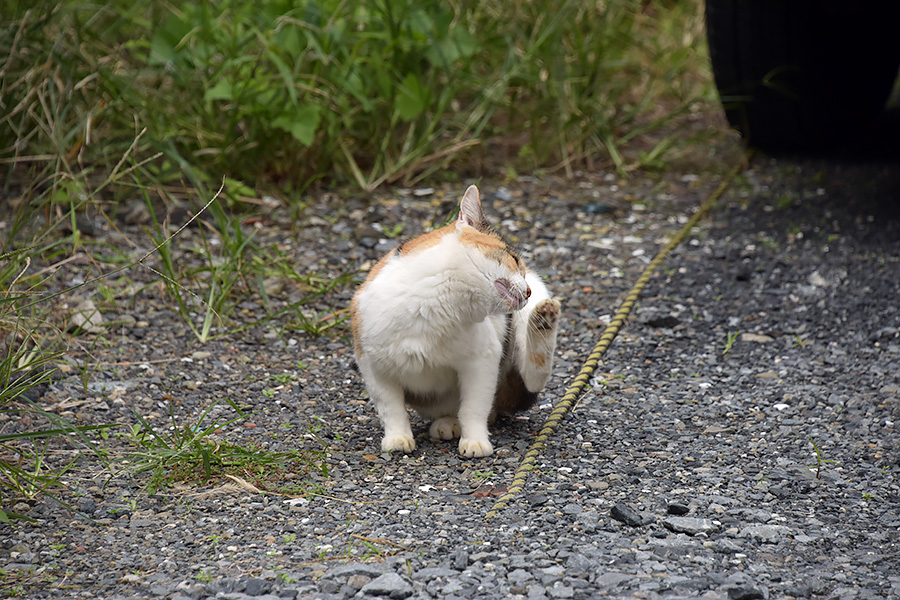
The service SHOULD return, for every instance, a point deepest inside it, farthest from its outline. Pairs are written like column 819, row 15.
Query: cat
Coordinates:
column 455, row 325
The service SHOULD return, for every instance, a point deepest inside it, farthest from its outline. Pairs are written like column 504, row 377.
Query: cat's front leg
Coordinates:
column 478, row 382
column 391, row 408
column 536, row 362
column 536, row 335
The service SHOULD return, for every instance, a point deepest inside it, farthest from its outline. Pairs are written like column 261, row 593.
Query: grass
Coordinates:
column 192, row 451
column 821, row 462
column 28, row 467
column 730, row 339
column 208, row 107
column 368, row 92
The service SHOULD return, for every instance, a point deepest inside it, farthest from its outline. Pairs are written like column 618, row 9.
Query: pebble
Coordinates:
column 674, row 508
column 689, row 525
column 621, row 512
column 768, row 534
column 388, row 584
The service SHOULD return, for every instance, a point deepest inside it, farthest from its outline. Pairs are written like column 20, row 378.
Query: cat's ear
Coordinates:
column 470, row 209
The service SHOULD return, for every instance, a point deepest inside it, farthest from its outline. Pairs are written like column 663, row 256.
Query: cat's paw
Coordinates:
column 402, row 443
column 545, row 315
column 475, row 448
column 445, row 428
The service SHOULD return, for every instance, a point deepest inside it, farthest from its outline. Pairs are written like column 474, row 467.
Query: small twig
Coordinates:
column 183, row 227
column 131, row 363
column 126, row 154
column 57, row 265
column 19, row 276
column 244, row 484
column 317, row 495
column 379, row 541
column 32, row 158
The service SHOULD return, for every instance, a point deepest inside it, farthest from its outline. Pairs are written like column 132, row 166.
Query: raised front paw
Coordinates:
column 475, row 448
column 445, row 428
column 545, row 315
column 403, row 443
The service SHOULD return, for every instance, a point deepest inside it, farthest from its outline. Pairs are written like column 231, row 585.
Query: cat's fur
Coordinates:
column 453, row 324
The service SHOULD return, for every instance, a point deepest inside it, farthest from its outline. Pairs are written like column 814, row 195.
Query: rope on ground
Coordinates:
column 573, row 393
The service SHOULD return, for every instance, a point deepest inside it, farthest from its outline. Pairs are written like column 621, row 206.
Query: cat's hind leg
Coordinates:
column 445, row 428
column 441, row 410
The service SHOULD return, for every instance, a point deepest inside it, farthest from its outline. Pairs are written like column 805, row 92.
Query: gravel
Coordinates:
column 738, row 442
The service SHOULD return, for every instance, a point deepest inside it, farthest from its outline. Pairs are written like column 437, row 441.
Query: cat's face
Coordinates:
column 499, row 264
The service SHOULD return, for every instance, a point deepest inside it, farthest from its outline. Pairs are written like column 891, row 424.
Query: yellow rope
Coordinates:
column 590, row 365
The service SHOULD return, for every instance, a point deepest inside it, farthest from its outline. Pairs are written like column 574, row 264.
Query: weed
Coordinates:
column 26, row 468
column 482, row 475
column 205, row 576
column 821, row 461
column 284, row 378
column 286, row 578
column 225, row 258
column 392, row 232
column 784, row 202
column 188, row 452
column 729, row 341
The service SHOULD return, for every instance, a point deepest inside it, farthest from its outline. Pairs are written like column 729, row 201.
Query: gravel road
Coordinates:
column 739, row 440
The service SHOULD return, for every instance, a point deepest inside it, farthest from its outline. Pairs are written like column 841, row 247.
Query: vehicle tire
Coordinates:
column 803, row 74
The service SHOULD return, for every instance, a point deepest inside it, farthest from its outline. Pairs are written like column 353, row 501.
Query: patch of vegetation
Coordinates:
column 821, row 462
column 27, row 359
column 193, row 452
column 370, row 92
column 730, row 339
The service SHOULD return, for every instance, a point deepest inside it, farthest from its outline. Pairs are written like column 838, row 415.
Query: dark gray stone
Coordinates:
column 344, row 571
column 746, row 592
column 621, row 512
column 610, row 580
column 388, row 584
column 257, row 587
column 677, row 509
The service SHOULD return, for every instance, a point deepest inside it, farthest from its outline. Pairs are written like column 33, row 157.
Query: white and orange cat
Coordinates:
column 453, row 324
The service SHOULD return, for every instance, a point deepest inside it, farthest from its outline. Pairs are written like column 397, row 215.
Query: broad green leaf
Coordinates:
column 301, row 123
column 222, row 90
column 459, row 44
column 412, row 98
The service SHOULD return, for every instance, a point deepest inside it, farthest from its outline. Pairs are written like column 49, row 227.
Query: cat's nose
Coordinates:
column 527, row 291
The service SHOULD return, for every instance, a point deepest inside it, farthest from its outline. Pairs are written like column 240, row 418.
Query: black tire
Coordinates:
column 803, row 74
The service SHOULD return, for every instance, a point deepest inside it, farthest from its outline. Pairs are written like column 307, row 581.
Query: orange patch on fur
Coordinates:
column 489, row 245
column 427, row 240
column 483, row 241
column 538, row 359
column 355, row 322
